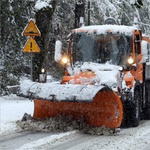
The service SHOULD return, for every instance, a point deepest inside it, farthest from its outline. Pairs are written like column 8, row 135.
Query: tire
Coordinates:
column 146, row 114
column 125, row 121
column 131, row 109
column 135, row 109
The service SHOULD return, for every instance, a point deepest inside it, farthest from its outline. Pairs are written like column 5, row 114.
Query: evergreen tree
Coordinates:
column 14, row 16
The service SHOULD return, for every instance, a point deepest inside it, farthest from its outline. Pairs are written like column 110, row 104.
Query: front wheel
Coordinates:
column 131, row 109
column 135, row 109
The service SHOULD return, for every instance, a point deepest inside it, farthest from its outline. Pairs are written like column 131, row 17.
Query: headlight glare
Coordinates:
column 65, row 60
column 130, row 60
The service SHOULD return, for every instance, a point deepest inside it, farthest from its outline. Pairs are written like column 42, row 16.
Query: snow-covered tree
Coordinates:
column 14, row 16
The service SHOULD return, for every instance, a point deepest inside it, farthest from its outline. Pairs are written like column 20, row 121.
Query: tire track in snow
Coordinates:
column 46, row 141
column 17, row 139
column 71, row 142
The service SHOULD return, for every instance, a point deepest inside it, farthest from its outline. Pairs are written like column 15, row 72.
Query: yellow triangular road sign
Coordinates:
column 31, row 46
column 31, row 29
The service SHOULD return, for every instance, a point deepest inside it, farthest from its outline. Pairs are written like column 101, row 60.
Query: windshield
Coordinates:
column 113, row 48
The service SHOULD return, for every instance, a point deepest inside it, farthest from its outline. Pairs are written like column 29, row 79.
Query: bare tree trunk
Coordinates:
column 79, row 12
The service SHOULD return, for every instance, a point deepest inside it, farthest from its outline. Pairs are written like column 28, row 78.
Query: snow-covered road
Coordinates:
column 15, row 140
column 11, row 137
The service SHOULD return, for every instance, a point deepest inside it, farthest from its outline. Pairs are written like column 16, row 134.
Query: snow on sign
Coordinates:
column 31, row 46
column 31, row 29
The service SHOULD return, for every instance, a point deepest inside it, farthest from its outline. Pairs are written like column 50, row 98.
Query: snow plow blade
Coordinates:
column 98, row 105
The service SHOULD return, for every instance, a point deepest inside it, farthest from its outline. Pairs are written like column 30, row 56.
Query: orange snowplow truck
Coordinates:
column 107, row 78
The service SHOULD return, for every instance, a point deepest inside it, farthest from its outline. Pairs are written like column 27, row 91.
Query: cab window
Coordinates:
column 137, row 44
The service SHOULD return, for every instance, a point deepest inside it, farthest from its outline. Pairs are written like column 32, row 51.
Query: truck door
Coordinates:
column 138, row 58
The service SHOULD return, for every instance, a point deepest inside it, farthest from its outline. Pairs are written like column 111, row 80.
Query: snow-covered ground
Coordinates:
column 12, row 108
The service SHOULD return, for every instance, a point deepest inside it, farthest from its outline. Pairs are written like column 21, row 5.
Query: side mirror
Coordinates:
column 148, row 55
column 58, row 50
column 145, row 52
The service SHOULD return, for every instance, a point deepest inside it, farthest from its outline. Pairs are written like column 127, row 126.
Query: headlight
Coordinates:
column 43, row 70
column 120, row 68
column 130, row 60
column 65, row 60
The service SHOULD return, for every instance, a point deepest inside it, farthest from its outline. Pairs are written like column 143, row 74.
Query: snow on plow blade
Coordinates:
column 99, row 105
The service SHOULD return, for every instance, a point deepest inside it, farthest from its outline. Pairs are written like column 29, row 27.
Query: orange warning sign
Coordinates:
column 31, row 29
column 31, row 46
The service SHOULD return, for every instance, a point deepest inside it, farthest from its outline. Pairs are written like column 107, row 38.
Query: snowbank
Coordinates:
column 12, row 108
column 60, row 123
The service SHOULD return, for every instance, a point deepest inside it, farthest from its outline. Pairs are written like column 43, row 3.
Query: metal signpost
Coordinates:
column 31, row 46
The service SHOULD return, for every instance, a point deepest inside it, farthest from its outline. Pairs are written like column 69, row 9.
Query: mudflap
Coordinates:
column 104, row 109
